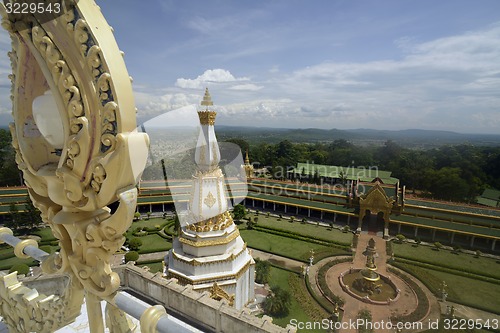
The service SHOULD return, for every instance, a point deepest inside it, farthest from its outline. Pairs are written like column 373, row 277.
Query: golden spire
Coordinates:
column 207, row 117
column 247, row 160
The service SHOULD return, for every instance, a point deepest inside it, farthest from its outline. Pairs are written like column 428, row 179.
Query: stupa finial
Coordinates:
column 207, row 99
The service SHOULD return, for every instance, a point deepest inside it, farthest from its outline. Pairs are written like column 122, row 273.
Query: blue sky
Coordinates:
column 326, row 64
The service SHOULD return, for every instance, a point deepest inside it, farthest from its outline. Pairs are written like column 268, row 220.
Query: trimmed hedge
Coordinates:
column 308, row 304
column 298, row 236
column 323, row 285
column 22, row 269
column 423, row 303
column 434, row 285
column 327, row 306
column 448, row 269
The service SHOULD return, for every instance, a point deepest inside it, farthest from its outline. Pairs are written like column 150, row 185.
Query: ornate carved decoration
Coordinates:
column 76, row 58
column 207, row 117
column 25, row 310
column 218, row 293
column 219, row 241
column 209, row 200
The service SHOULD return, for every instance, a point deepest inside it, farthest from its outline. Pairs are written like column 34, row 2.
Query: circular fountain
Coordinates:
column 367, row 284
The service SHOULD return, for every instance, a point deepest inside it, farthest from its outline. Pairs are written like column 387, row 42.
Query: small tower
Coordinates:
column 209, row 253
column 247, row 167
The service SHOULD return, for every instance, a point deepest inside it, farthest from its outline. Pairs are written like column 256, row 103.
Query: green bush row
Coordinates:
column 449, row 269
column 323, row 285
column 303, row 297
column 423, row 303
column 299, row 234
column 294, row 235
column 327, row 306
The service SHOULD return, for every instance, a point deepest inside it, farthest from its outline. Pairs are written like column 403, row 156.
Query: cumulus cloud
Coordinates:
column 209, row 76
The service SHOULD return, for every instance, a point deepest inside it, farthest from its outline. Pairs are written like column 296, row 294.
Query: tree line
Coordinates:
column 456, row 173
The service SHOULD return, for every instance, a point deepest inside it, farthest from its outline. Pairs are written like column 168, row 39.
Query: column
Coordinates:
column 334, row 217
column 297, row 211
column 452, row 237
column 274, row 206
column 150, row 208
column 416, row 231
column 308, row 212
column 399, row 228
column 263, row 204
column 493, row 245
column 322, row 215
column 253, row 203
column 285, row 209
column 472, row 241
column 433, row 234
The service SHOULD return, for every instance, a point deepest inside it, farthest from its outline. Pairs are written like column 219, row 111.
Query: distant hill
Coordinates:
column 412, row 138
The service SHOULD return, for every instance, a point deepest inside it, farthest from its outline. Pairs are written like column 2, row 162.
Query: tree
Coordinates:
column 278, row 302
column 262, row 271
column 239, row 212
column 32, row 215
column 137, row 216
column 135, row 244
column 131, row 256
column 148, row 215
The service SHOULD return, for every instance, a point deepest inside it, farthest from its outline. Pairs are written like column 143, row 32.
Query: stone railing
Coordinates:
column 197, row 309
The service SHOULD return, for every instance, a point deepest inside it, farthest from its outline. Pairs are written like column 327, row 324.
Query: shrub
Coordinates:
column 262, row 271
column 400, row 238
column 22, row 269
column 438, row 246
column 135, row 244
column 303, row 220
column 131, row 256
column 278, row 302
column 137, row 216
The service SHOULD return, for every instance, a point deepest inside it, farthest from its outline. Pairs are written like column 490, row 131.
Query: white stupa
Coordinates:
column 209, row 252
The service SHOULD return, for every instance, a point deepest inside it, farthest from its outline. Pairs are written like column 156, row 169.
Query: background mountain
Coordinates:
column 412, row 138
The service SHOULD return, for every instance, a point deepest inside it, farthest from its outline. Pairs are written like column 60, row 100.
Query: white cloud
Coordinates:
column 209, row 76
column 249, row 86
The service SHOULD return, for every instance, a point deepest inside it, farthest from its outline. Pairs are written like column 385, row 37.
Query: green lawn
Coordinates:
column 285, row 246
column 153, row 267
column 147, row 223
column 305, row 229
column 475, row 293
column 480, row 265
column 279, row 277
column 154, row 243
